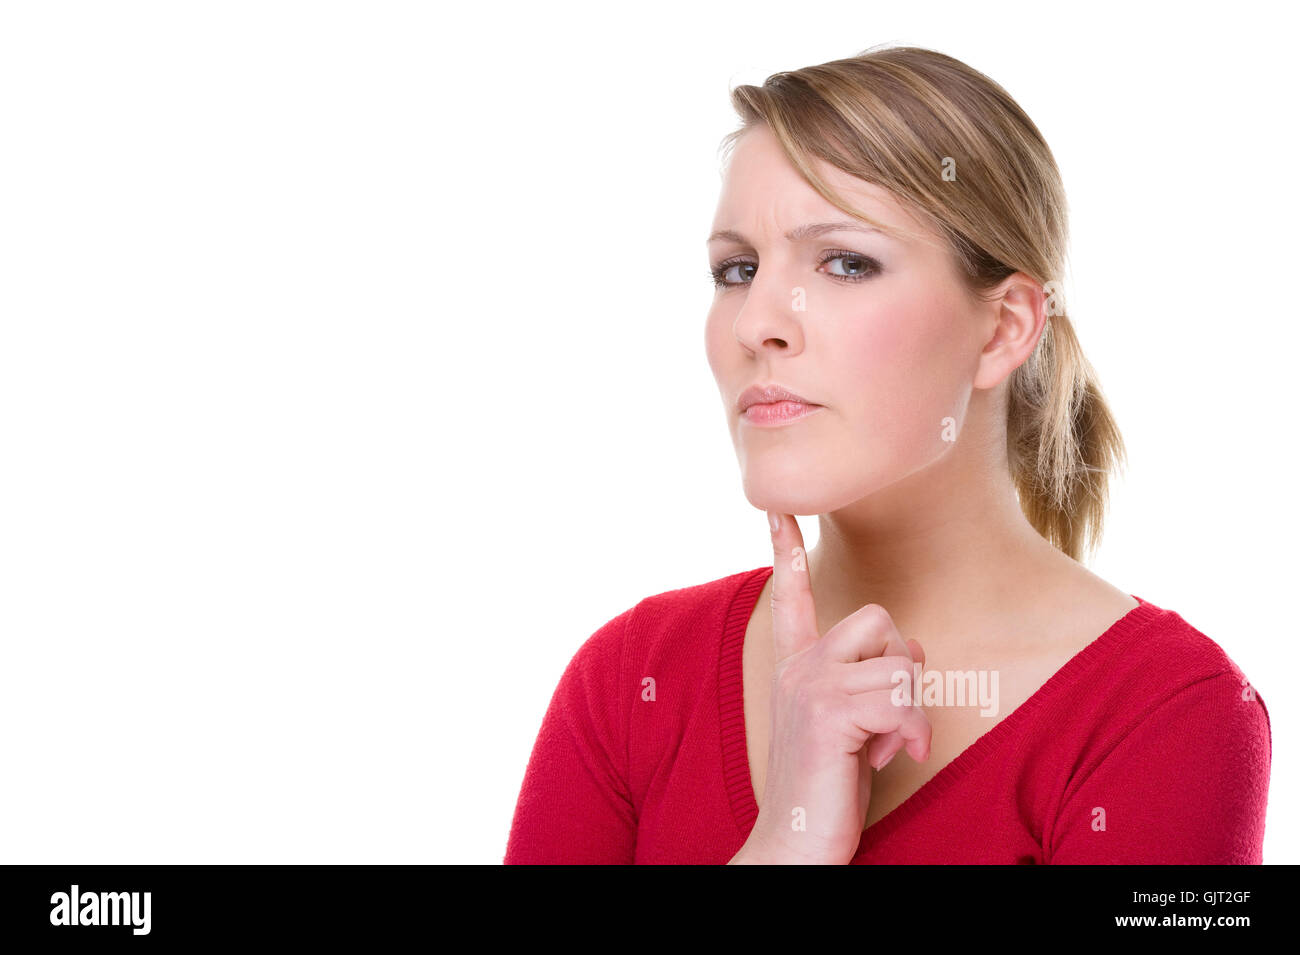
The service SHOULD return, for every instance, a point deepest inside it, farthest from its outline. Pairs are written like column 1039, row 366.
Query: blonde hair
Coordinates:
column 897, row 117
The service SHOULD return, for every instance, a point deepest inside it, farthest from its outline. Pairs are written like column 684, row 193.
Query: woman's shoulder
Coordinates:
column 667, row 620
column 1153, row 660
column 709, row 598
column 1163, row 643
column 1160, row 741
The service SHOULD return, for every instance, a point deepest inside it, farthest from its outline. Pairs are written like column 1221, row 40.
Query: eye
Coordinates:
column 861, row 266
column 723, row 269
column 857, row 268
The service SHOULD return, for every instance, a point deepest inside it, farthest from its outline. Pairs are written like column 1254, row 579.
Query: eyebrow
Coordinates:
column 809, row 231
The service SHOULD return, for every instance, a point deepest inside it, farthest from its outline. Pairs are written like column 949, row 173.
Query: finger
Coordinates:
column 878, row 673
column 865, row 773
column 867, row 632
column 891, row 743
column 885, row 746
column 899, row 675
column 882, row 748
column 895, row 644
column 918, row 652
column 876, row 712
column 794, row 617
column 905, row 690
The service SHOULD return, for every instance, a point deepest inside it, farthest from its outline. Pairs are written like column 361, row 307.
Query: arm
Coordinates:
column 1187, row 786
column 574, row 806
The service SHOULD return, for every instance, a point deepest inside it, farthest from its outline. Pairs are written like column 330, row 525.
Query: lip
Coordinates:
column 769, row 394
column 773, row 405
column 774, row 414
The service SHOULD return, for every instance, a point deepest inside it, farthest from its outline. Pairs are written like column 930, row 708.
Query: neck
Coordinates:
column 937, row 555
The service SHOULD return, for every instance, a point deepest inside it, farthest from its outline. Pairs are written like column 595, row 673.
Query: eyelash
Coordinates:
column 873, row 268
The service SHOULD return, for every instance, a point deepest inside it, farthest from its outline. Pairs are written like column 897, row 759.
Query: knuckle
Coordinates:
column 875, row 615
column 823, row 714
column 804, row 694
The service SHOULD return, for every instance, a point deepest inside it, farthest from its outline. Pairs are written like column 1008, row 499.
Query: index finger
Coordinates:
column 794, row 617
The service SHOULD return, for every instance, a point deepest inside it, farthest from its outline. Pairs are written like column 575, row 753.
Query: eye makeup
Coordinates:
column 868, row 268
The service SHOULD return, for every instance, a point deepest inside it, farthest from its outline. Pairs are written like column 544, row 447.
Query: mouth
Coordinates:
column 773, row 404
column 777, row 413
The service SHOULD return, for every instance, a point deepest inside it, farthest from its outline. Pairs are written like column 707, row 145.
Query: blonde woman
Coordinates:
column 894, row 356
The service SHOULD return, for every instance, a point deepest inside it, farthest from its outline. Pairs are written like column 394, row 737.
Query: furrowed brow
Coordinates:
column 809, row 231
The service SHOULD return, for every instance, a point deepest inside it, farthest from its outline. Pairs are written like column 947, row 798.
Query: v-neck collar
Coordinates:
column 731, row 703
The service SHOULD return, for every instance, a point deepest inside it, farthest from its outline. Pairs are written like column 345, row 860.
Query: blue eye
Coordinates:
column 866, row 266
column 860, row 268
column 719, row 274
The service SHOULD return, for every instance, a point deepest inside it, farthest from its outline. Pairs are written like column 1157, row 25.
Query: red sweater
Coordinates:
column 1151, row 722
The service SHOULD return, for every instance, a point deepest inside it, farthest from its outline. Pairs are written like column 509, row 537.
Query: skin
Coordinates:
column 930, row 529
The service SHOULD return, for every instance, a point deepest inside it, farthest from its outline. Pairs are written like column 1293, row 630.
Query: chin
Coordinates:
column 787, row 488
column 786, row 497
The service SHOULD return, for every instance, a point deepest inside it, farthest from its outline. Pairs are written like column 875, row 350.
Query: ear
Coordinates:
column 1017, row 311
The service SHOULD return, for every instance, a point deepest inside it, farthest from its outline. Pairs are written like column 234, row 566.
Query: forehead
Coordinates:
column 762, row 188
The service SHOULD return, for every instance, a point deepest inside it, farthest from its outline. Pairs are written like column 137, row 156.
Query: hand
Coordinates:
column 833, row 717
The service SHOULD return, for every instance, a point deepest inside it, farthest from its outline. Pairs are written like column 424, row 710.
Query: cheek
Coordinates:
column 900, row 370
column 721, row 349
column 714, row 330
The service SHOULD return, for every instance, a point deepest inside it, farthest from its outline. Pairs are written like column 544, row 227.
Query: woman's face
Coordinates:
column 878, row 331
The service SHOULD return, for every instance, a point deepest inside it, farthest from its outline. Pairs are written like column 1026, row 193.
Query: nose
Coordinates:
column 769, row 319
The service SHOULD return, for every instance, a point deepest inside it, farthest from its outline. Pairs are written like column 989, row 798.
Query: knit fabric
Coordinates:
column 1147, row 746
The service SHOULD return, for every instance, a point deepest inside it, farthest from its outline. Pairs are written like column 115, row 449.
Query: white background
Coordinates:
column 352, row 374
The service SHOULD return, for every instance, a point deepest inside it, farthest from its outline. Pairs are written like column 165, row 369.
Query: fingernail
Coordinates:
column 886, row 762
column 774, row 520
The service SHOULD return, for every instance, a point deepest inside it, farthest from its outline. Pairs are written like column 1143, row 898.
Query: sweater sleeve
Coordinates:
column 1188, row 785
column 574, row 806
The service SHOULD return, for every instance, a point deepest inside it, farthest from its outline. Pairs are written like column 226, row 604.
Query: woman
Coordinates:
column 902, row 366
